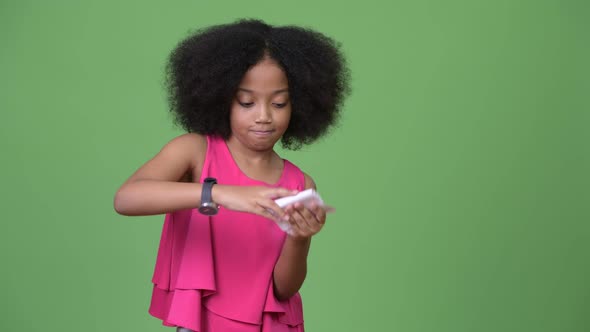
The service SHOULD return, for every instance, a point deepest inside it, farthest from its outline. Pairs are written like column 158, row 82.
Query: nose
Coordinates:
column 264, row 115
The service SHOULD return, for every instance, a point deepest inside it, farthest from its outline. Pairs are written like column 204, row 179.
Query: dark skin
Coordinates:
column 259, row 116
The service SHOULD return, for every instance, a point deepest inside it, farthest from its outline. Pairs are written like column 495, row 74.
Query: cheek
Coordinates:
column 237, row 118
column 286, row 117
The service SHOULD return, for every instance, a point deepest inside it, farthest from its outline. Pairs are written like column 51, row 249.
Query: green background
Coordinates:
column 459, row 170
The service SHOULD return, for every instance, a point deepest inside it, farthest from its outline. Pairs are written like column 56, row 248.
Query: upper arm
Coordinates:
column 309, row 183
column 177, row 158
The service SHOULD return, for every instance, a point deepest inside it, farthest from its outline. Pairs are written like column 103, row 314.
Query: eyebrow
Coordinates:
column 274, row 92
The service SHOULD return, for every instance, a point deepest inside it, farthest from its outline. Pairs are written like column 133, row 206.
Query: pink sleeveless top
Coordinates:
column 223, row 262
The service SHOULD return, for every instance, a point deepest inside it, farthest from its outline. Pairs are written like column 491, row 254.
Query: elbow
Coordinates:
column 284, row 296
column 119, row 203
column 284, row 291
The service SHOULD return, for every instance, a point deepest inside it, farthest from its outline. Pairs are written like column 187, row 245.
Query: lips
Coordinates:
column 267, row 132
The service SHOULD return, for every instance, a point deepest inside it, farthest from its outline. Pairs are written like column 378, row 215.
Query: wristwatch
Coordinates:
column 208, row 207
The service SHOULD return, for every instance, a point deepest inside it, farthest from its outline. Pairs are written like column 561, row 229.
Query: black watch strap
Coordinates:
column 206, row 193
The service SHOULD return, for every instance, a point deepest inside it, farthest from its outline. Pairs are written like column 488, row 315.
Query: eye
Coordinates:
column 247, row 105
column 277, row 105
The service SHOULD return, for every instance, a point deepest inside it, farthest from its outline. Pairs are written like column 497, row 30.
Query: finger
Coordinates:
column 281, row 192
column 262, row 211
column 276, row 211
column 295, row 226
column 302, row 224
column 312, row 222
column 319, row 212
column 305, row 212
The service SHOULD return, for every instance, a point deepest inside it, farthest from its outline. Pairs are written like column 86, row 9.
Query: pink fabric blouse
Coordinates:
column 223, row 263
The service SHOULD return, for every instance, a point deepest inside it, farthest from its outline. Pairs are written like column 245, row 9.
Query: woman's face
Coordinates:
column 261, row 110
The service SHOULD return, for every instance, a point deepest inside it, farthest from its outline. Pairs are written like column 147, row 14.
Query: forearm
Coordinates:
column 291, row 267
column 149, row 197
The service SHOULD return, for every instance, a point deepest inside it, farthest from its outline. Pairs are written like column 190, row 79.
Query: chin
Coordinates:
column 262, row 146
column 263, row 142
column 257, row 143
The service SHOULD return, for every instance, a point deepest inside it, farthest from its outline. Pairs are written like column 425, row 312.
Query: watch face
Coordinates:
column 208, row 210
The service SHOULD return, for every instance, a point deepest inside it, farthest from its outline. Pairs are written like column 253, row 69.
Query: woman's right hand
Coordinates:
column 254, row 199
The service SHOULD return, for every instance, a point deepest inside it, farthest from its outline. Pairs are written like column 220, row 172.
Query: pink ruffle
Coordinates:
column 289, row 312
column 184, row 277
column 179, row 307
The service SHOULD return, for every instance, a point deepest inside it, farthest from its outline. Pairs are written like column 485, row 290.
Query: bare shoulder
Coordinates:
column 193, row 147
column 179, row 160
column 191, row 144
column 309, row 182
column 189, row 140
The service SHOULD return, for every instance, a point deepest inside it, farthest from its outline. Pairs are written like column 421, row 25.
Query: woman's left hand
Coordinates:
column 305, row 222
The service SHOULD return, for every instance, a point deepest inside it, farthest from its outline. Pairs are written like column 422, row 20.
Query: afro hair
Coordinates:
column 205, row 69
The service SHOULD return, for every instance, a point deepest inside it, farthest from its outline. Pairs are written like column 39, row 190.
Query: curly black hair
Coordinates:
column 205, row 69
